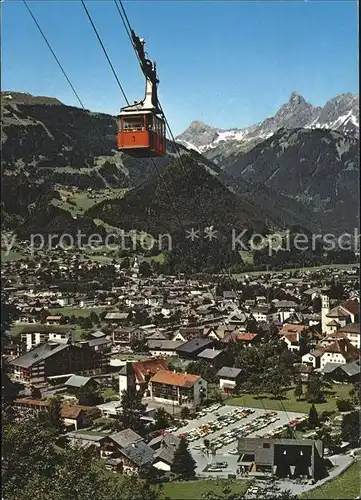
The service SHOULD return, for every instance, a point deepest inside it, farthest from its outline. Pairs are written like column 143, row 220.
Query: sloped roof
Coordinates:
column 194, row 345
column 139, row 453
column 168, row 345
column 291, row 328
column 177, row 379
column 77, row 381
column 333, row 323
column 229, row 372
column 209, row 353
column 245, row 336
column 344, row 347
column 148, row 367
column 338, row 312
column 71, row 412
column 125, row 438
column 353, row 306
column 351, row 328
column 39, row 354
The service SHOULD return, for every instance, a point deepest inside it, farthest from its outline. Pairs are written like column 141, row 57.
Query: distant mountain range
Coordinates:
column 340, row 113
column 283, row 173
column 304, row 153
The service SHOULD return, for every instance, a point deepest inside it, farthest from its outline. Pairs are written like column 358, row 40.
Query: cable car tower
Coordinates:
column 141, row 126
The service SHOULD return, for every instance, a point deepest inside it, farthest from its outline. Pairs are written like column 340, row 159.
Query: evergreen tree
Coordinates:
column 132, row 409
column 183, row 464
column 162, row 419
column 315, row 389
column 32, row 467
column 89, row 396
column 350, row 428
column 54, row 415
column 298, row 392
column 185, row 412
column 313, row 419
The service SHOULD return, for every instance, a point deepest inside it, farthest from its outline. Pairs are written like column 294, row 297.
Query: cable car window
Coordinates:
column 135, row 123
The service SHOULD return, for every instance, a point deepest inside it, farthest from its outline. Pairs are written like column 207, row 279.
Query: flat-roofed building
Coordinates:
column 282, row 457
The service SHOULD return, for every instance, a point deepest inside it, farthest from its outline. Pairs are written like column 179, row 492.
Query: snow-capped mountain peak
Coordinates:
column 340, row 113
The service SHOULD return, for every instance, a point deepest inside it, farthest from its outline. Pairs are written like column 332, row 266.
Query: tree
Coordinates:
column 32, row 467
column 315, row 389
column 89, row 396
column 145, row 269
column 204, row 369
column 298, row 392
column 132, row 409
column 185, row 413
column 183, row 465
column 94, row 318
column 162, row 419
column 313, row 419
column 350, row 428
column 54, row 415
column 344, row 405
column 355, row 393
column 139, row 345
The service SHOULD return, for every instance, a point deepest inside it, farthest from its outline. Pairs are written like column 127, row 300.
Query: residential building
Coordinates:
column 349, row 372
column 191, row 349
column 136, row 375
column 165, row 447
column 36, row 334
column 116, row 318
column 228, row 378
column 213, row 356
column 352, row 332
column 74, row 416
column 125, row 335
column 341, row 351
column 126, row 452
column 162, row 348
column 56, row 359
column 177, row 388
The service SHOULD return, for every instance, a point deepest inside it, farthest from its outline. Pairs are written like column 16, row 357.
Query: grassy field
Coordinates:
column 76, row 311
column 289, row 403
column 193, row 490
column 294, row 269
column 345, row 486
column 12, row 256
column 77, row 202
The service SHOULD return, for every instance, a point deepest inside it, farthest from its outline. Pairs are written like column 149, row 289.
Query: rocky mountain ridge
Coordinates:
column 340, row 113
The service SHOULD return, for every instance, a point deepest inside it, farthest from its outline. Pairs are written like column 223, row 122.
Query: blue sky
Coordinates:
column 229, row 64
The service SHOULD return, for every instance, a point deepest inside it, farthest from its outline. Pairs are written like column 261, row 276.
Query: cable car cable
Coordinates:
column 171, row 199
column 53, row 53
column 104, row 50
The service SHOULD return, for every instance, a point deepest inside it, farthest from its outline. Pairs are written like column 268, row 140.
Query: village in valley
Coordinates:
column 189, row 378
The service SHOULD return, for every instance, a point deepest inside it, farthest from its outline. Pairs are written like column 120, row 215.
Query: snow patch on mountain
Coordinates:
column 340, row 113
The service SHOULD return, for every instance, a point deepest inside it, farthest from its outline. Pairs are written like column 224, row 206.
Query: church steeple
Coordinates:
column 127, row 380
column 325, row 307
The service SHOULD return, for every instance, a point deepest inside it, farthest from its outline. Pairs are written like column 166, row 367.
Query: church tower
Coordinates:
column 325, row 308
column 127, row 379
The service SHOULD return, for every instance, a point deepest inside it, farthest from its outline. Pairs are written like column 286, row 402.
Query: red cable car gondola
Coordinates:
column 141, row 126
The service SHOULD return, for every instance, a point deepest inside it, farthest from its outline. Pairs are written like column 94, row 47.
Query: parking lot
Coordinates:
column 223, row 426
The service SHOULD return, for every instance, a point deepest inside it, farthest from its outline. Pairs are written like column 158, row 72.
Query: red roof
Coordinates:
column 352, row 306
column 148, row 367
column 246, row 336
column 290, row 328
column 344, row 347
column 174, row 378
